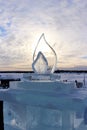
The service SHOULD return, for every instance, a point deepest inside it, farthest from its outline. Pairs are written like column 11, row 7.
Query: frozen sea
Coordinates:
column 43, row 109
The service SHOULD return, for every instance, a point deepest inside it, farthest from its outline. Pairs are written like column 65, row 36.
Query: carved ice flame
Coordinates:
column 40, row 64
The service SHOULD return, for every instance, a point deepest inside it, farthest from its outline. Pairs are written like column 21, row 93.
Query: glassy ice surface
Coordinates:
column 44, row 47
column 20, row 116
column 40, row 65
column 40, row 107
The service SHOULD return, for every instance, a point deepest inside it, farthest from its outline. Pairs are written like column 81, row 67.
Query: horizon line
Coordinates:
column 56, row 71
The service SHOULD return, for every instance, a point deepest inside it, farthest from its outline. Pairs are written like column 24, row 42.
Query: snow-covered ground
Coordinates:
column 64, row 76
column 74, row 76
column 55, row 111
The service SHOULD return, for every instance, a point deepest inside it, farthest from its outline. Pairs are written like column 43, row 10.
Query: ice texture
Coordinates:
column 40, row 64
column 42, row 41
column 19, row 116
column 14, row 116
column 46, row 105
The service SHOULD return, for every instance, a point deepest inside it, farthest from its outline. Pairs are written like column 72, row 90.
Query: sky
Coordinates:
column 64, row 23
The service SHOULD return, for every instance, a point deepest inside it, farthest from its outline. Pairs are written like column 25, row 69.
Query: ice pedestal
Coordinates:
column 36, row 118
column 39, row 118
column 40, row 105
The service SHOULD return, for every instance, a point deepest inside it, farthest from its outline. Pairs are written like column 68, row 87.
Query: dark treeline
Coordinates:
column 71, row 71
column 57, row 71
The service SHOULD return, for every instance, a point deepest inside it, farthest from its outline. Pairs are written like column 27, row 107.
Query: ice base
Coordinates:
column 36, row 118
column 26, row 117
column 43, row 105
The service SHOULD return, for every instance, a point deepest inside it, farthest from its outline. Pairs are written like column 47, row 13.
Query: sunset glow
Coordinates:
column 64, row 24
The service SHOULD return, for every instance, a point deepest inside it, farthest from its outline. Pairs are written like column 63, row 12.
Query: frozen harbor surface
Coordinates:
column 46, row 105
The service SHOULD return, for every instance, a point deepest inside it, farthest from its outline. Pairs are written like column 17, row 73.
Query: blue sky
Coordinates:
column 64, row 23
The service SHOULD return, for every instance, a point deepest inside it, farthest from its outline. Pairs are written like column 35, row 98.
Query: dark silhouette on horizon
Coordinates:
column 56, row 71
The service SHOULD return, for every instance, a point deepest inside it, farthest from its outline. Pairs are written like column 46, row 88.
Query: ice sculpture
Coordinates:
column 42, row 67
column 40, row 64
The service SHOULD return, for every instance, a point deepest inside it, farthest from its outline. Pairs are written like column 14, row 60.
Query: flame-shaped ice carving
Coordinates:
column 42, row 58
column 40, row 64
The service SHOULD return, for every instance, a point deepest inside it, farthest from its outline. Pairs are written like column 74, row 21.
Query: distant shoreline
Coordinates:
column 71, row 71
column 57, row 71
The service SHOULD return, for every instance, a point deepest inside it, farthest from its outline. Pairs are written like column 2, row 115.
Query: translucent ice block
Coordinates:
column 40, row 65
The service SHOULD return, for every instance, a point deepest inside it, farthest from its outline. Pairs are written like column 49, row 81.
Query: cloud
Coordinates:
column 63, row 22
column 2, row 31
column 84, row 57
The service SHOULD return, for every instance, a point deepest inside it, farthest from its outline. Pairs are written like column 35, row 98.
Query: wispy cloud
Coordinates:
column 23, row 21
